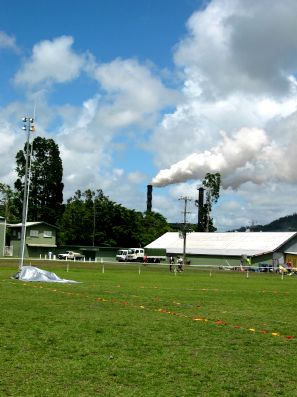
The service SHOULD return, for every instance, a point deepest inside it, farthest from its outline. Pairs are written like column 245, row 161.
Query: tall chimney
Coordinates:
column 149, row 198
column 200, row 204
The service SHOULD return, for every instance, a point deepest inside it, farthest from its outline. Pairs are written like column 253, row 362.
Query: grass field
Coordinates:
column 141, row 331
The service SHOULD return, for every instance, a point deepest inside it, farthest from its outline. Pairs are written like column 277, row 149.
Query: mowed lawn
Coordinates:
column 129, row 330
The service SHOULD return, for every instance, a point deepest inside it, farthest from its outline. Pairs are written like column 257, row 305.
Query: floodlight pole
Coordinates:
column 28, row 127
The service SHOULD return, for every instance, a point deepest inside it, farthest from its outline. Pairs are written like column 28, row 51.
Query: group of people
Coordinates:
column 179, row 262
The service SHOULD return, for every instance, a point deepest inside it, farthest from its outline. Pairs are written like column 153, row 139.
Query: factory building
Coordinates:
column 229, row 248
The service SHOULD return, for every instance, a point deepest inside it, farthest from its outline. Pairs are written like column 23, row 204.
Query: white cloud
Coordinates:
column 51, row 62
column 237, row 46
column 134, row 82
column 8, row 141
column 83, row 147
column 9, row 42
column 134, row 92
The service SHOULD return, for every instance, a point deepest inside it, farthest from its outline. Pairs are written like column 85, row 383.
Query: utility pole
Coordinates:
column 94, row 218
column 94, row 223
column 28, row 127
column 184, row 231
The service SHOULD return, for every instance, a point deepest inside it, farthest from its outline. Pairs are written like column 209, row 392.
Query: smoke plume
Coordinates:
column 234, row 158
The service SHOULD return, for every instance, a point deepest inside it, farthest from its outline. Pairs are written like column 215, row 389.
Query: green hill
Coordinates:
column 284, row 224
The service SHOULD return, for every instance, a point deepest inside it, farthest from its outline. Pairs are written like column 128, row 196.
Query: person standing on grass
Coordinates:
column 180, row 264
column 171, row 263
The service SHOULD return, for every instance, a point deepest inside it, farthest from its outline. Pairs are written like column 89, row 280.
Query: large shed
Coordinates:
column 229, row 248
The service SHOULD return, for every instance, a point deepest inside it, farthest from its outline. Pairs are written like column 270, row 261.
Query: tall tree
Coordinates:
column 211, row 183
column 7, row 207
column 45, row 187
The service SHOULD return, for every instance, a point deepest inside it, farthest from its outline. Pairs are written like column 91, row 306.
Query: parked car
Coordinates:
column 265, row 267
column 70, row 255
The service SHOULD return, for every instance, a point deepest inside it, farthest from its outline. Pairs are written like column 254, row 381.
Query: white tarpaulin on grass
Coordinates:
column 31, row 273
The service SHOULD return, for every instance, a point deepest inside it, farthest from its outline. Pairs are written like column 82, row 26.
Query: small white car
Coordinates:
column 70, row 255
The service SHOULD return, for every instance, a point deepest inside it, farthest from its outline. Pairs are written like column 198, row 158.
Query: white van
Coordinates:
column 135, row 254
column 121, row 255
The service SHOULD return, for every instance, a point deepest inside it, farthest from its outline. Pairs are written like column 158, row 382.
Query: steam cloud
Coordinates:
column 234, row 157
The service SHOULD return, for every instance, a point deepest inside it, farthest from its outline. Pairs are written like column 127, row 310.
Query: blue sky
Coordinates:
column 142, row 91
column 132, row 28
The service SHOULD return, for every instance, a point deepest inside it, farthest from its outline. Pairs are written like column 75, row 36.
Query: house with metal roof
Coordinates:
column 229, row 248
column 40, row 238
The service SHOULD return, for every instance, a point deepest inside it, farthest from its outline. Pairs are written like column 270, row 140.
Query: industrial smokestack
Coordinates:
column 149, row 198
column 200, row 204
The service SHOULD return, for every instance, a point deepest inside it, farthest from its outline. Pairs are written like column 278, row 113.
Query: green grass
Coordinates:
column 121, row 333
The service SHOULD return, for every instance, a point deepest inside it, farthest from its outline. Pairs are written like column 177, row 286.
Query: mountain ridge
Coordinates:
column 283, row 224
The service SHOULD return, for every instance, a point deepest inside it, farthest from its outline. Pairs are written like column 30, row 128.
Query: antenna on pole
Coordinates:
column 34, row 111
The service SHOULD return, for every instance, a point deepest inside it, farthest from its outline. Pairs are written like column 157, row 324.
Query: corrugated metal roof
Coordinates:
column 164, row 241
column 253, row 243
column 27, row 224
column 42, row 245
